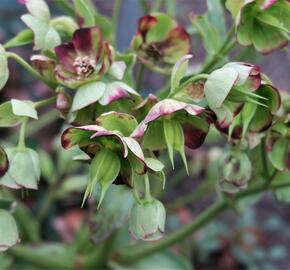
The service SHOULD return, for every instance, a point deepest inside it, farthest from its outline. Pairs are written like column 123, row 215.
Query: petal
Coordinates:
column 116, row 91
column 44, row 65
column 106, row 58
column 145, row 23
column 168, row 107
column 135, row 148
column 88, row 41
column 176, row 45
column 66, row 54
column 4, row 163
column 66, row 77
column 139, row 131
column 115, row 135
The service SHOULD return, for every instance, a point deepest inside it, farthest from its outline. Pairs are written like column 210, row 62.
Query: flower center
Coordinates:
column 154, row 52
column 84, row 66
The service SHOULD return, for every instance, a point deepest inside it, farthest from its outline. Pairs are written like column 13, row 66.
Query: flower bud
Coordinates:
column 147, row 220
column 24, row 169
column 235, row 170
column 63, row 102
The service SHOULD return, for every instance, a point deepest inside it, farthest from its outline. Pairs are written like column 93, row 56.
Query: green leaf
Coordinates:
column 38, row 8
column 8, row 231
column 149, row 140
column 23, row 108
column 88, row 94
column 179, row 71
column 154, row 164
column 174, row 137
column 234, row 6
column 83, row 10
column 45, row 36
column 4, row 71
column 216, row 16
column 115, row 121
column 218, row 85
column 47, row 165
column 22, row 38
column 104, row 169
column 161, row 29
column 7, row 117
column 76, row 183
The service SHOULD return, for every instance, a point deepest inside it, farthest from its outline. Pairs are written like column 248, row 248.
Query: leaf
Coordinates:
column 47, row 165
column 174, row 137
column 76, row 183
column 279, row 154
column 234, row 6
column 8, row 230
column 83, row 10
column 113, row 213
column 4, row 71
column 88, row 94
column 38, row 8
column 282, row 194
column 22, row 38
column 218, row 85
column 104, row 169
column 154, row 164
column 7, row 117
column 122, row 122
column 23, row 108
column 179, row 71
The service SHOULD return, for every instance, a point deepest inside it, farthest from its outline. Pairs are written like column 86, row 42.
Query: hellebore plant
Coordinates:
column 114, row 133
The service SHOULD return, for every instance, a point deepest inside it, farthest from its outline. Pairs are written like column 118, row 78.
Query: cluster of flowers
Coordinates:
column 121, row 133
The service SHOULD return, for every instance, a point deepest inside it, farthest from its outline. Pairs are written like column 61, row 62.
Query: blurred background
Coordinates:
column 258, row 237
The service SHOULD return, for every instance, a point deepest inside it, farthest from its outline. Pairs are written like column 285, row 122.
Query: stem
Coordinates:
column 145, row 7
column 45, row 102
column 264, row 159
column 138, row 251
column 140, row 77
column 21, row 140
column 66, row 7
column 156, row 6
column 148, row 196
column 115, row 18
column 187, row 82
column 224, row 49
column 30, row 69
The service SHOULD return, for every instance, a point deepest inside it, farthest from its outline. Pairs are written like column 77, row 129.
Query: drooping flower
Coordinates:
column 176, row 124
column 264, row 24
column 235, row 171
column 109, row 143
column 160, row 41
column 147, row 220
column 85, row 59
column 237, row 94
column 24, row 169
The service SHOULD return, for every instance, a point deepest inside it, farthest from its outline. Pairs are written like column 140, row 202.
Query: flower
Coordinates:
column 147, row 220
column 24, row 169
column 235, row 172
column 176, row 124
column 160, row 41
column 44, row 65
column 84, row 59
column 4, row 163
column 265, row 24
column 108, row 143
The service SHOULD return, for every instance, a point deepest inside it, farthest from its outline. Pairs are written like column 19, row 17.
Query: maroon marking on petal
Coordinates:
column 4, row 163
column 145, row 23
column 87, row 41
column 66, row 54
column 193, row 137
column 279, row 46
column 65, row 141
column 112, row 94
column 149, row 101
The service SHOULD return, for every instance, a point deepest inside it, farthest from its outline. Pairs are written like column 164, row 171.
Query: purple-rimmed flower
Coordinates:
column 85, row 59
column 160, row 41
column 44, row 65
column 4, row 163
column 264, row 24
column 175, row 124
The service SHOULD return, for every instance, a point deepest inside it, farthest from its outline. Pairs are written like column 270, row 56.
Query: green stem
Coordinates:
column 192, row 79
column 21, row 140
column 148, row 196
column 157, row 4
column 264, row 159
column 138, row 251
column 30, row 69
column 66, row 7
column 145, row 7
column 140, row 76
column 45, row 102
column 224, row 49
column 115, row 18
